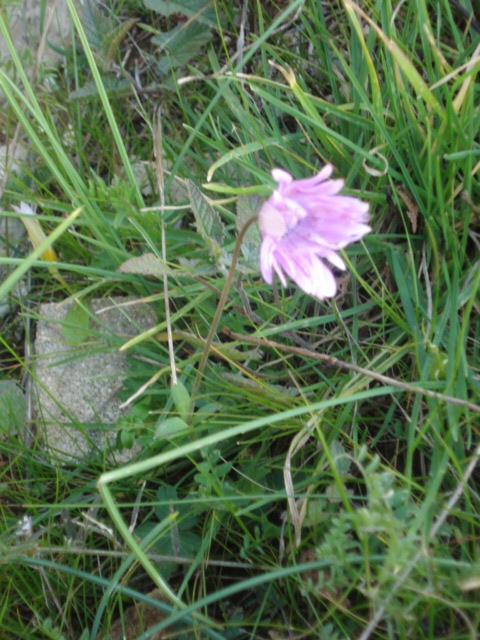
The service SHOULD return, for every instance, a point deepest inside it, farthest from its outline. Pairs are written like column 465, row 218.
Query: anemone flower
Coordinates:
column 305, row 222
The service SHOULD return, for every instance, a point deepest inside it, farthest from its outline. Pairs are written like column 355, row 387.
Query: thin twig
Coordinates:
column 80, row 550
column 340, row 364
column 218, row 312
column 158, row 151
column 297, row 517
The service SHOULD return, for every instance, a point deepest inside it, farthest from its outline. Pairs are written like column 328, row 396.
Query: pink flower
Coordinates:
column 304, row 222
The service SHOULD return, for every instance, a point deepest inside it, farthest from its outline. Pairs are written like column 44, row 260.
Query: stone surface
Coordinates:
column 25, row 20
column 77, row 386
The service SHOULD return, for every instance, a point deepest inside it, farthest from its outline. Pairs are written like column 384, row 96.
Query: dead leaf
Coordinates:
column 412, row 208
column 136, row 620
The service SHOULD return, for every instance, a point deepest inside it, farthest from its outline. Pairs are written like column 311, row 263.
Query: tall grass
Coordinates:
column 325, row 485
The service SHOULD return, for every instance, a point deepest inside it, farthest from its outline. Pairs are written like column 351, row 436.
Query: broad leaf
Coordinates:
column 181, row 399
column 113, row 87
column 147, row 265
column 170, row 427
column 170, row 504
column 77, row 324
column 201, row 10
column 208, row 222
column 181, row 45
column 247, row 207
column 12, row 407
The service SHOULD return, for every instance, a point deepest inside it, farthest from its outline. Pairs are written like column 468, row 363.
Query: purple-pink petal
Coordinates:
column 305, row 222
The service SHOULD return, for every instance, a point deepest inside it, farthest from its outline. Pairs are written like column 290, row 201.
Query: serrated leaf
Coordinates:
column 113, row 87
column 182, row 44
column 340, row 457
column 103, row 34
column 178, row 543
column 147, row 265
column 12, row 407
column 251, row 262
column 202, row 10
column 247, row 207
column 208, row 222
column 95, row 23
column 197, row 267
column 77, row 324
column 181, row 399
column 170, row 504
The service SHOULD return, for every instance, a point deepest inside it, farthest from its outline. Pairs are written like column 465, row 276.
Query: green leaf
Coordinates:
column 170, row 427
column 113, row 87
column 12, row 407
column 247, row 207
column 181, row 399
column 116, row 36
column 77, row 324
column 208, row 222
column 125, row 439
column 181, row 45
column 202, row 10
column 414, row 77
column 170, row 504
column 103, row 33
column 146, row 265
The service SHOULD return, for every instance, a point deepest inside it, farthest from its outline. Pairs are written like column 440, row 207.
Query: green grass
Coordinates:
column 300, row 499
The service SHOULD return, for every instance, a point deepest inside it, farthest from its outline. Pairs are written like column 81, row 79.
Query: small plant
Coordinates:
column 308, row 451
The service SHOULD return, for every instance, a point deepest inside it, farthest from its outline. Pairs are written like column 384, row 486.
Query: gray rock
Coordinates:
column 76, row 386
column 25, row 19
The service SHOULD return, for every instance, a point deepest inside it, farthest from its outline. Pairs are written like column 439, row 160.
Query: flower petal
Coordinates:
column 305, row 222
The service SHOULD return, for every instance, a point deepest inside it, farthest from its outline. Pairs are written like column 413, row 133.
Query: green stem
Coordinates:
column 218, row 313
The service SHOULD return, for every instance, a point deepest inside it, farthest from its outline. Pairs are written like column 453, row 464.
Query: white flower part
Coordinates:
column 281, row 177
column 25, row 527
column 271, row 221
column 24, row 209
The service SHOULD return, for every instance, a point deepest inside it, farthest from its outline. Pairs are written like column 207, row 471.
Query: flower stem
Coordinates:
column 218, row 313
